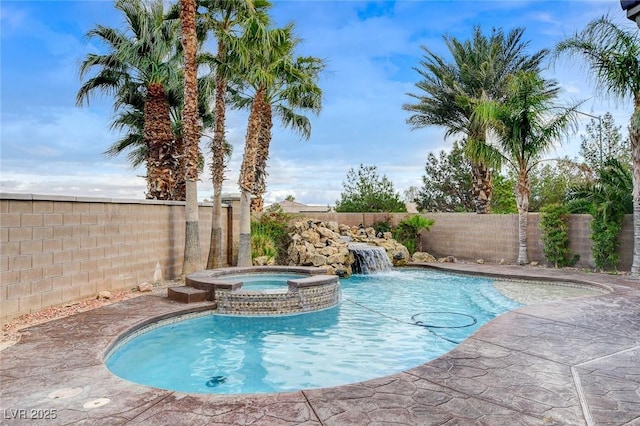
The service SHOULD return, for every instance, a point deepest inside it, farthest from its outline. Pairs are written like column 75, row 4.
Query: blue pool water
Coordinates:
column 263, row 281
column 387, row 323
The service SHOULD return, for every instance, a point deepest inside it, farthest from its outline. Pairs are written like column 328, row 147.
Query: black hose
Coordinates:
column 428, row 327
column 473, row 319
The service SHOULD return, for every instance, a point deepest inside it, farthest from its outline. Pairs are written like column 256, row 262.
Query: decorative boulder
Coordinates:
column 423, row 257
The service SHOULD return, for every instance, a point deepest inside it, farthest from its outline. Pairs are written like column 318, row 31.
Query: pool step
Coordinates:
column 185, row 294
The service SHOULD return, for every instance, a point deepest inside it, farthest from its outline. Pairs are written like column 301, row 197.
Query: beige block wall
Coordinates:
column 470, row 236
column 56, row 250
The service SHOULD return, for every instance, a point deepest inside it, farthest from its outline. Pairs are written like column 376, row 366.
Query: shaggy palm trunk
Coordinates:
column 214, row 259
column 180, row 187
column 191, row 132
column 522, row 200
column 482, row 187
column 158, row 137
column 634, row 135
column 264, row 140
column 248, row 178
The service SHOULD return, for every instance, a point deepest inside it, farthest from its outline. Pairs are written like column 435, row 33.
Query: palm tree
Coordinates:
column 274, row 76
column 224, row 18
column 191, row 132
column 294, row 91
column 479, row 70
column 142, row 59
column 130, row 122
column 526, row 124
column 613, row 57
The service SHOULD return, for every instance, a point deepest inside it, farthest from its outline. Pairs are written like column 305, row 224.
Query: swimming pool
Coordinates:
column 387, row 323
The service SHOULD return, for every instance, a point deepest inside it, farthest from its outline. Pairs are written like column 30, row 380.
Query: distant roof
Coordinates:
column 295, row 207
column 628, row 4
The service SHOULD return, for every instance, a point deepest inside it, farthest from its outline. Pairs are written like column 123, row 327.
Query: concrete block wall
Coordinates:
column 56, row 250
column 493, row 237
column 470, row 236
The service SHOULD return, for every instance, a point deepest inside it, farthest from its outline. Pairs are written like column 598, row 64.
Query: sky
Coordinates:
column 48, row 145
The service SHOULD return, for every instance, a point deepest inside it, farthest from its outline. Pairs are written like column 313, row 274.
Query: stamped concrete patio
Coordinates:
column 569, row 362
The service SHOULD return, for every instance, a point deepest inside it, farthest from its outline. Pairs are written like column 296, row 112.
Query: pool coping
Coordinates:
column 563, row 362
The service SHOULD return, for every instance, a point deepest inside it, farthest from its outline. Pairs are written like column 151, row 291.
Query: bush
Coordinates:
column 383, row 225
column 604, row 236
column 273, row 225
column 555, row 237
column 262, row 244
column 408, row 230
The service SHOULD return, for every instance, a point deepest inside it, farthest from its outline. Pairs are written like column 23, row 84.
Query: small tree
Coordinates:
column 447, row 183
column 602, row 141
column 366, row 191
column 550, row 181
column 504, row 198
column 408, row 231
column 555, row 235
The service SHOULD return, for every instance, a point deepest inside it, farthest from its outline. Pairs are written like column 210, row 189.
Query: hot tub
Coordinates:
column 268, row 290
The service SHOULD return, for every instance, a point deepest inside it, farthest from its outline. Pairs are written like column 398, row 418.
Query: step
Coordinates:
column 185, row 294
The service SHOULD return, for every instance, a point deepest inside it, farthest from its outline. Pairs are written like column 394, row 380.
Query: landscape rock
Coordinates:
column 263, row 261
column 326, row 245
column 423, row 257
column 104, row 294
column 145, row 287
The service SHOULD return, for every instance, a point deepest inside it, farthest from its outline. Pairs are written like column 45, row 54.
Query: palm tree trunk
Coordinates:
column 248, row 178
column 158, row 137
column 522, row 200
column 191, row 132
column 482, row 187
column 244, row 242
column 264, row 141
column 180, row 187
column 634, row 135
column 217, row 165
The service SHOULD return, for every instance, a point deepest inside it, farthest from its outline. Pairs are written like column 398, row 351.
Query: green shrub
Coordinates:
column 383, row 225
column 262, row 244
column 408, row 230
column 274, row 224
column 555, row 237
column 604, row 237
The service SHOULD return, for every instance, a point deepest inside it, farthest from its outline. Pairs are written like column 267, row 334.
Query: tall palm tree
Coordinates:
column 191, row 132
column 526, row 124
column 613, row 57
column 144, row 59
column 294, row 92
column 225, row 19
column 130, row 122
column 478, row 69
column 272, row 72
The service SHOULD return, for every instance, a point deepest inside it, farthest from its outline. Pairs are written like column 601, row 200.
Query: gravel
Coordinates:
column 12, row 330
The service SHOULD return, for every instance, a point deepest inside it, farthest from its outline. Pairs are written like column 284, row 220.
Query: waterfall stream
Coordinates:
column 369, row 258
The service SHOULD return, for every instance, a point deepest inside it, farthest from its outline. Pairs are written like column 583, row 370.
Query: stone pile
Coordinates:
column 326, row 245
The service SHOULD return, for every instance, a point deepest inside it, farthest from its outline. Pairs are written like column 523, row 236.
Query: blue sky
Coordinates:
column 50, row 146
